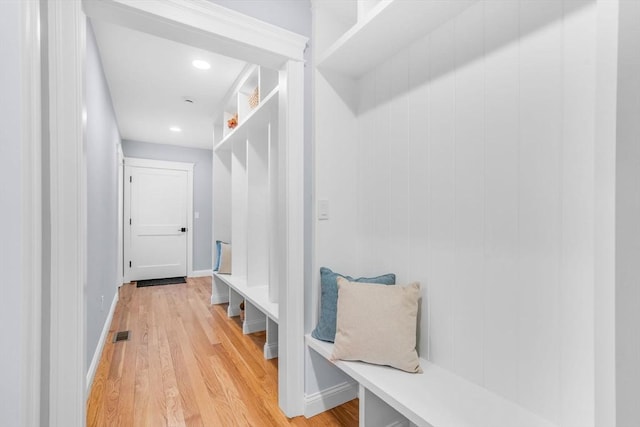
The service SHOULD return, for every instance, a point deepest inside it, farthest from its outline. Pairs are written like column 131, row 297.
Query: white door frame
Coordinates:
column 159, row 164
column 31, row 180
column 121, row 271
column 196, row 22
column 66, row 35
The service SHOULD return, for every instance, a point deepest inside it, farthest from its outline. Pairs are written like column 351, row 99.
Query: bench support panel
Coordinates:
column 219, row 291
column 254, row 319
column 374, row 412
column 271, row 344
column 234, row 303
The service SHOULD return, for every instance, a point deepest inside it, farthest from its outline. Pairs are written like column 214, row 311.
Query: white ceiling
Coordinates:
column 149, row 78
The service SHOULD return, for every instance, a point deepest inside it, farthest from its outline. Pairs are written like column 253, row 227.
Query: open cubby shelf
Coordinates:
column 257, row 295
column 245, row 176
column 258, row 117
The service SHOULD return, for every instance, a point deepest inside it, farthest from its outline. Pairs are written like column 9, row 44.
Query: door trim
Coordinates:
column 193, row 21
column 120, row 156
column 66, row 35
column 159, row 164
column 31, row 209
column 211, row 26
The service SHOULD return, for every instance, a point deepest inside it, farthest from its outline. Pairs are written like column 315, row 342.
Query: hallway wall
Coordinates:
column 102, row 138
column 202, row 190
column 465, row 162
column 11, row 325
column 627, row 298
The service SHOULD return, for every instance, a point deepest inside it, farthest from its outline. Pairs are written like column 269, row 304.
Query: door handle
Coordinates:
column 183, row 229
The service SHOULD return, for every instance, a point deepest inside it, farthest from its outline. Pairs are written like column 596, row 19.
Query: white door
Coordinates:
column 157, row 209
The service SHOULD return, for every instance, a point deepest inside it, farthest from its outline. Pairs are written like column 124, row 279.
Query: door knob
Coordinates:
column 183, row 229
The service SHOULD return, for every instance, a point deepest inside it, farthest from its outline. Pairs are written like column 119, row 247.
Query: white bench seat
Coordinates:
column 436, row 398
column 258, row 296
column 260, row 313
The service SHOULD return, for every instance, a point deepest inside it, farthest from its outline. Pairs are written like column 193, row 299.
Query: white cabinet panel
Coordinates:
column 258, row 208
column 468, row 290
column 501, row 199
column 441, row 178
column 239, row 209
column 336, row 159
column 577, row 201
column 540, row 205
column 397, row 164
column 418, row 183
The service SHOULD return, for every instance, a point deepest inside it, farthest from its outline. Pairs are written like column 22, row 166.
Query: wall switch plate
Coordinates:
column 196, row 215
column 323, row 210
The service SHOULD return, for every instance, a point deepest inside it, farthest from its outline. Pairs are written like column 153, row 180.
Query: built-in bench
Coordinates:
column 435, row 398
column 260, row 313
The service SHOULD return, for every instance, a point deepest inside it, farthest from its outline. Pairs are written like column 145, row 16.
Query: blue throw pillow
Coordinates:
column 326, row 328
column 216, row 264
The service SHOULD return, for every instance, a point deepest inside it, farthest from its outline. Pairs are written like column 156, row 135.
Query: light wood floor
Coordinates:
column 187, row 364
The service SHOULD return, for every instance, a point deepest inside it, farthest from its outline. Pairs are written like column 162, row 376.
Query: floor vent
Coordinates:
column 121, row 336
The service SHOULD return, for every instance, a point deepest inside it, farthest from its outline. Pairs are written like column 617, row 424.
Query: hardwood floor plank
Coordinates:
column 174, row 412
column 128, row 364
column 224, row 373
column 178, row 311
column 142, row 386
column 210, row 416
column 188, row 364
column 156, row 410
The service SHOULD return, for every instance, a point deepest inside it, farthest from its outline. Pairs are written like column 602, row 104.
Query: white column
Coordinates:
column 67, row 180
column 605, row 189
column 291, row 231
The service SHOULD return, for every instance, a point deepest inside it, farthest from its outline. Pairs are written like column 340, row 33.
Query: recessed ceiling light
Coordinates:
column 175, row 129
column 201, row 65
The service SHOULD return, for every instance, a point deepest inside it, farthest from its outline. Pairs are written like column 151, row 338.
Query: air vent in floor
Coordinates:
column 121, row 336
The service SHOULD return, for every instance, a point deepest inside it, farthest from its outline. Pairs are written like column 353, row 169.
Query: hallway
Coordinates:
column 187, row 364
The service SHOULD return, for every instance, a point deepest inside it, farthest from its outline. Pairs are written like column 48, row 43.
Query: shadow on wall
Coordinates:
column 510, row 21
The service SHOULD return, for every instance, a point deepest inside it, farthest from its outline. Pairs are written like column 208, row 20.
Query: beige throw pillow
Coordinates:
column 225, row 258
column 377, row 324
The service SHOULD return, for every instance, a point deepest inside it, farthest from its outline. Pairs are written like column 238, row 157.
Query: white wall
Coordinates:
column 11, row 326
column 470, row 167
column 45, row 365
column 103, row 138
column 293, row 15
column 628, row 219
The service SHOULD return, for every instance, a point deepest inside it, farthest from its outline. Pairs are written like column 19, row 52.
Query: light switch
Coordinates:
column 323, row 209
column 196, row 215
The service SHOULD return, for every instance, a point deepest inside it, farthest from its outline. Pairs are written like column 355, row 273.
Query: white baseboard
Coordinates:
column 270, row 351
column 329, row 398
column 103, row 337
column 200, row 273
column 257, row 326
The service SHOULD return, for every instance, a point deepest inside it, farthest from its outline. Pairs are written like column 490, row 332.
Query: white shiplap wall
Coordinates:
column 466, row 163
